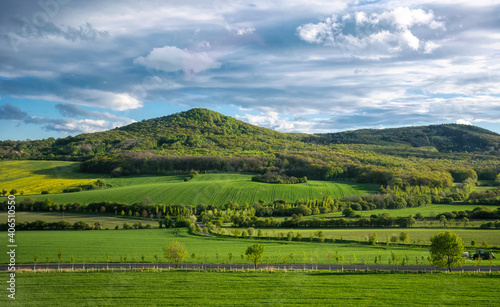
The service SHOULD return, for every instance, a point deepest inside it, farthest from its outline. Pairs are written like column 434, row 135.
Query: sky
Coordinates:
column 69, row 67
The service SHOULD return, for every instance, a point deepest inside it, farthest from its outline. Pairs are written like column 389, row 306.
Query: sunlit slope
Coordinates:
column 214, row 189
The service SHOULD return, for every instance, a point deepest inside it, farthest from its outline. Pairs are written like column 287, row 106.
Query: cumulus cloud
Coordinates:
column 103, row 99
column 8, row 111
column 463, row 122
column 392, row 30
column 273, row 120
column 171, row 59
column 430, row 46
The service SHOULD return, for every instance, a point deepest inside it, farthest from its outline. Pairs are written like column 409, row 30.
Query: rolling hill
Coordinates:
column 445, row 138
column 205, row 132
column 204, row 140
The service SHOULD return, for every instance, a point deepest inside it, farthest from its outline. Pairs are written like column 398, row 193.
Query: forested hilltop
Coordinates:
column 206, row 141
column 444, row 138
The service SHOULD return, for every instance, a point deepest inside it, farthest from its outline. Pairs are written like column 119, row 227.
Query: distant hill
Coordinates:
column 205, row 132
column 206, row 141
column 197, row 131
column 445, row 138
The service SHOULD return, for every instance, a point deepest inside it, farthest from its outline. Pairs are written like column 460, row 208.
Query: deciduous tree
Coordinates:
column 255, row 253
column 446, row 250
column 175, row 252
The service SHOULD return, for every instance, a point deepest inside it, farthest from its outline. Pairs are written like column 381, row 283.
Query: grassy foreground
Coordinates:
column 251, row 289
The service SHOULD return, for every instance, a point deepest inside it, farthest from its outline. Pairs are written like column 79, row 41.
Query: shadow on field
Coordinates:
column 57, row 172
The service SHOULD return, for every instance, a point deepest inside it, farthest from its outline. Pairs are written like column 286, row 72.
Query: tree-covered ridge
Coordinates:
column 205, row 132
column 197, row 131
column 445, row 138
column 204, row 140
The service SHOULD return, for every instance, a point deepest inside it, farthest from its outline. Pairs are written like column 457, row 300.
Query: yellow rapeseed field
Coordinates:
column 33, row 177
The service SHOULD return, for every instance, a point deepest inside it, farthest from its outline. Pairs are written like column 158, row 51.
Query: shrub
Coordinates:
column 72, row 190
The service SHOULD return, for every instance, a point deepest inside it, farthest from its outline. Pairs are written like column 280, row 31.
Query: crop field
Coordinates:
column 106, row 221
column 92, row 246
column 190, row 288
column 426, row 211
column 33, row 177
column 132, row 245
column 216, row 189
column 416, row 235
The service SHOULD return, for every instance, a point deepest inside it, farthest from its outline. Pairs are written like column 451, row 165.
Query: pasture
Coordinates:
column 191, row 288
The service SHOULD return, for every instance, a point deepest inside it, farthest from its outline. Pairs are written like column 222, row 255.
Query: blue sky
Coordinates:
column 68, row 67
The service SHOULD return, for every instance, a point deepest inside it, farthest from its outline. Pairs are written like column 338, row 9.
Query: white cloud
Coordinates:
column 391, row 31
column 102, row 99
column 405, row 18
column 411, row 40
column 319, row 33
column 74, row 126
column 273, row 120
column 171, row 59
column 430, row 46
column 240, row 30
column 463, row 122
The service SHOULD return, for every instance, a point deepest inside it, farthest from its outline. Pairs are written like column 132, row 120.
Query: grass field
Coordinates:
column 251, row 289
column 34, row 176
column 107, row 221
column 92, row 246
column 426, row 211
column 417, row 235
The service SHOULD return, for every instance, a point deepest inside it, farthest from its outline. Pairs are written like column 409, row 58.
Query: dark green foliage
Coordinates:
column 72, row 189
column 191, row 175
column 451, row 137
column 270, row 177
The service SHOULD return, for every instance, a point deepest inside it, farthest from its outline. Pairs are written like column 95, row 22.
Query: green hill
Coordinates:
column 204, row 140
column 205, row 132
column 445, row 138
column 197, row 131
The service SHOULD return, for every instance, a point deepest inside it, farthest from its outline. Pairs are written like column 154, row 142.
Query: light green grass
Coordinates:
column 211, row 189
column 92, row 246
column 417, row 235
column 426, row 211
column 106, row 221
column 190, row 288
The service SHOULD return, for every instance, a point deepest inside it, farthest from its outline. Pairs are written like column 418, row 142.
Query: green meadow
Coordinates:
column 416, row 235
column 426, row 211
